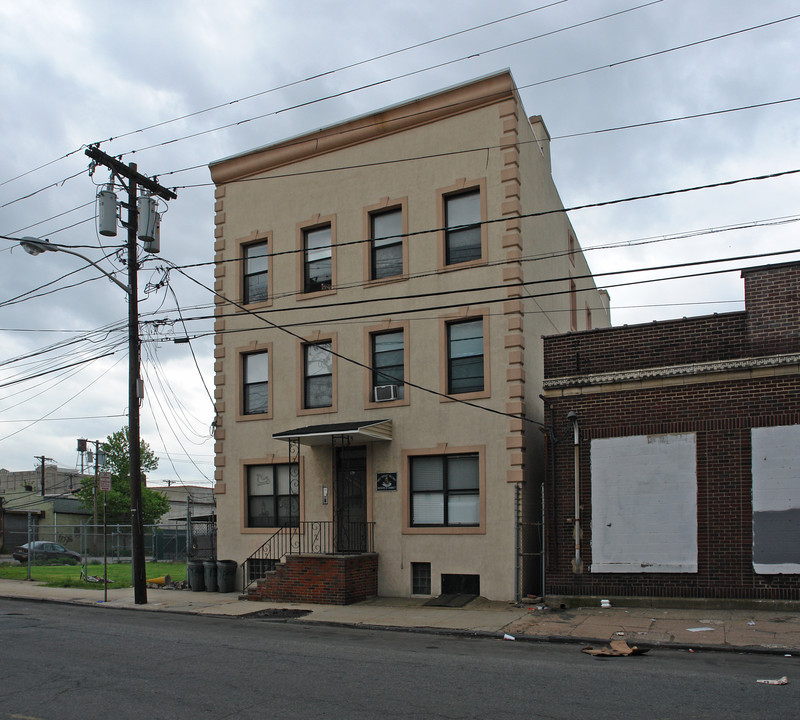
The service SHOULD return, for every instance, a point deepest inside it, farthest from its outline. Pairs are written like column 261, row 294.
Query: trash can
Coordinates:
column 226, row 575
column 210, row 575
column 194, row 572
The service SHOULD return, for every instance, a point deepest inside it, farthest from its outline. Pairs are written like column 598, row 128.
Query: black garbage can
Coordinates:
column 194, row 573
column 210, row 575
column 226, row 575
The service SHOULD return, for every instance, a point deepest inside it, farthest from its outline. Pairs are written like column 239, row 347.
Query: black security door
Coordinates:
column 350, row 499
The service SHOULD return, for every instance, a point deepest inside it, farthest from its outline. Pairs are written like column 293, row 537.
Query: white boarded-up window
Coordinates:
column 644, row 504
column 776, row 499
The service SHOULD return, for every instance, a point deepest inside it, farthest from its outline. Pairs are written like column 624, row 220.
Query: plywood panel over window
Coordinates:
column 776, row 499
column 644, row 504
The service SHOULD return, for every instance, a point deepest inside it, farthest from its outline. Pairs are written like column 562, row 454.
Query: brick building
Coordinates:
column 675, row 452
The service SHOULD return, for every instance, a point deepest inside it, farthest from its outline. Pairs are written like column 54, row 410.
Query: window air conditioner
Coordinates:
column 382, row 393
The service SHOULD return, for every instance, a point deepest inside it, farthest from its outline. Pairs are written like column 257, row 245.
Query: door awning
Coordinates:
column 356, row 432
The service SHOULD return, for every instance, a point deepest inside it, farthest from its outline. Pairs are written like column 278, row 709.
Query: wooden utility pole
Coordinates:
column 135, row 180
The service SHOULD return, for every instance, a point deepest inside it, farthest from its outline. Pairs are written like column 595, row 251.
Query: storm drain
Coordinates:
column 278, row 614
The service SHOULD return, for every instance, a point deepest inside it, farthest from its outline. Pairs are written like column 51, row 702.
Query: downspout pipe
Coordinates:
column 572, row 418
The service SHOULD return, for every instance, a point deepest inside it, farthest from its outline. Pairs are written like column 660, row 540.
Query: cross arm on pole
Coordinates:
column 123, row 170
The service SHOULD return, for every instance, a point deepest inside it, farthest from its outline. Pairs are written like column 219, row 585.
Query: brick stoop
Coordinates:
column 324, row 579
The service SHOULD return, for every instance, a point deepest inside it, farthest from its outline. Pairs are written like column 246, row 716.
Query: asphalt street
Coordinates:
column 65, row 662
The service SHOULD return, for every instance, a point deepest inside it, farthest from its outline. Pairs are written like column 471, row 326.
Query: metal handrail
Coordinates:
column 320, row 537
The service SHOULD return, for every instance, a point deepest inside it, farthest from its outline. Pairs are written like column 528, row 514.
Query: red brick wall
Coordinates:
column 325, row 579
column 674, row 342
column 721, row 415
column 770, row 325
column 773, row 308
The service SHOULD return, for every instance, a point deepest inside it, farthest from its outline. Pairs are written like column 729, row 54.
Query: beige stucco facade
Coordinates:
column 412, row 157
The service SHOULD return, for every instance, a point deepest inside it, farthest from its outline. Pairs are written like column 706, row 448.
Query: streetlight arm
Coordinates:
column 35, row 246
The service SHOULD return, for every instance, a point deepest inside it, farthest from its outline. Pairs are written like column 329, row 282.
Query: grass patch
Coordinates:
column 70, row 575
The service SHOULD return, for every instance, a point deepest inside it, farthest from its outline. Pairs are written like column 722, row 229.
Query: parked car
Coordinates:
column 43, row 550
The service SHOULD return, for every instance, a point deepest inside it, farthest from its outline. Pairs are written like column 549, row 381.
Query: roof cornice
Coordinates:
column 415, row 113
column 670, row 371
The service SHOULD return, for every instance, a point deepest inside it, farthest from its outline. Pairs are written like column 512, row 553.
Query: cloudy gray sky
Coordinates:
column 137, row 76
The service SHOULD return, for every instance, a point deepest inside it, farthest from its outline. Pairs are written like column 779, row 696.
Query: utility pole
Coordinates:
column 42, row 458
column 134, row 181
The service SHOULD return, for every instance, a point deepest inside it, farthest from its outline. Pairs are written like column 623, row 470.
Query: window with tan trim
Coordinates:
column 464, row 368
column 316, row 369
column 317, row 259
column 386, row 243
column 255, row 388
column 255, row 383
column 462, row 213
column 465, row 353
column 388, row 362
column 445, row 490
column 386, row 353
column 386, row 249
column 318, row 375
column 254, row 268
column 255, row 273
column 316, row 267
column 272, row 495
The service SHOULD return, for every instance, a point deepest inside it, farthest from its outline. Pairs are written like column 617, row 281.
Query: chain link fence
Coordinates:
column 174, row 542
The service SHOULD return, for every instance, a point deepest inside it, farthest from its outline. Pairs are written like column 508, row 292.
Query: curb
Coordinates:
column 427, row 630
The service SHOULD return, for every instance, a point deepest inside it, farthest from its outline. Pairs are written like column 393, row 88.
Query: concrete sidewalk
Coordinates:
column 744, row 630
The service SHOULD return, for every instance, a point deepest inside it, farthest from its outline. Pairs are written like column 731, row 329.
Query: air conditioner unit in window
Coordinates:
column 382, row 393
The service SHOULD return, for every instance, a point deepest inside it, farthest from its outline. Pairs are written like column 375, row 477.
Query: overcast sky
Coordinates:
column 137, row 76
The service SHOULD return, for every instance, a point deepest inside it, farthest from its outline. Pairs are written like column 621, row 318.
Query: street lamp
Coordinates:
column 36, row 246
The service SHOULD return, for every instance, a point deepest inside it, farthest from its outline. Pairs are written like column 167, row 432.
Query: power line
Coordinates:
column 378, row 83
column 482, row 149
column 356, row 362
column 58, row 407
column 538, row 213
column 753, row 224
column 694, row 116
column 49, row 372
column 471, row 56
column 486, row 301
column 285, row 86
column 64, row 419
column 326, row 73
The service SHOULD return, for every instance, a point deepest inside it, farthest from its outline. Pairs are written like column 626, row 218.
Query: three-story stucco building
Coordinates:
column 383, row 285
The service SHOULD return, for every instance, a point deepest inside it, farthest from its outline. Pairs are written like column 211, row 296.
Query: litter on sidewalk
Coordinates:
column 616, row 648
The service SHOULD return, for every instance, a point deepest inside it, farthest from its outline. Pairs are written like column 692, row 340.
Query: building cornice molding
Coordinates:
column 415, row 113
column 671, row 371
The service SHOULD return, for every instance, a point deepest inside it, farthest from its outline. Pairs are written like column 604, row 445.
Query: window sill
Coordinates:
column 403, row 402
column 315, row 411
column 455, row 397
column 445, row 530
column 402, row 277
column 461, row 265
column 314, row 294
column 253, row 416
column 247, row 307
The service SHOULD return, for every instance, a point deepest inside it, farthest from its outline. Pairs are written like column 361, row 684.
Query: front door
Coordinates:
column 350, row 499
